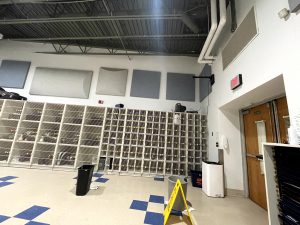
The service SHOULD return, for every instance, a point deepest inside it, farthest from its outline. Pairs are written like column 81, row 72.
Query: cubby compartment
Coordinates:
column 53, row 113
column 32, row 111
column 124, row 165
column 103, row 150
column 94, row 116
column 160, row 167
column 147, row 153
column 161, row 153
column 138, row 166
column 21, row 153
column 182, row 169
column 8, row 129
column 87, row 155
column 48, row 133
column 69, row 134
column 91, row 136
column 168, row 168
column 131, row 165
column 153, row 167
column 27, row 131
column 12, row 110
column 43, row 155
column 146, row 167
column 74, row 114
column 116, row 164
column 139, row 153
column 175, row 169
column 65, row 156
column 5, row 147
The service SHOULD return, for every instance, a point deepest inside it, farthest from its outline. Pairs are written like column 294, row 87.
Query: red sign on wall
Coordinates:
column 236, row 82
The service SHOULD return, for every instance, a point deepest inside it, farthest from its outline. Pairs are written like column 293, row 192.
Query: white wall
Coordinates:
column 26, row 51
column 275, row 51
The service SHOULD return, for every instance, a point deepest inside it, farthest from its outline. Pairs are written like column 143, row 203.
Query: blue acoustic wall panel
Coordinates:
column 145, row 84
column 180, row 87
column 13, row 74
column 205, row 87
column 61, row 82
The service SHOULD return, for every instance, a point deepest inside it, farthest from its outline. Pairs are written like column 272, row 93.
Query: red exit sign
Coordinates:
column 236, row 82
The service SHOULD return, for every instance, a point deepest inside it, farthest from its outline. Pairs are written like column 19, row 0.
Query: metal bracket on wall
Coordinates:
column 211, row 78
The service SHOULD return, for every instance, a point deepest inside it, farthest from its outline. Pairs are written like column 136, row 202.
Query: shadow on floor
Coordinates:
column 97, row 192
column 179, row 220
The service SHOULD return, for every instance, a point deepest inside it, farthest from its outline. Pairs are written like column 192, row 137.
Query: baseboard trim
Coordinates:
column 234, row 193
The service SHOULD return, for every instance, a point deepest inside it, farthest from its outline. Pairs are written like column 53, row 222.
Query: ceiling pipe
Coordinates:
column 223, row 19
column 211, row 33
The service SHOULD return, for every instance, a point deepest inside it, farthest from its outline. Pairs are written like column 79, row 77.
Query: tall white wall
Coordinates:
column 275, row 51
column 26, row 51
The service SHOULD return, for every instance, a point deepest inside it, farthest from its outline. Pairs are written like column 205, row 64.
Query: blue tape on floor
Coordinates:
column 154, row 218
column 7, row 178
column 101, row 180
column 4, row 183
column 3, row 218
column 98, row 175
column 139, row 205
column 36, row 223
column 157, row 199
column 32, row 212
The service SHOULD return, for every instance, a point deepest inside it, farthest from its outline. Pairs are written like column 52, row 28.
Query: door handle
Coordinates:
column 260, row 157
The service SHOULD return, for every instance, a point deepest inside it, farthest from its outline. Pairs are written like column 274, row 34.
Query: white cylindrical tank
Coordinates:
column 213, row 179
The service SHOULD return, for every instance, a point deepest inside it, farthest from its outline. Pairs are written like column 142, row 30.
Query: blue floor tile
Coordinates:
column 7, row 178
column 157, row 199
column 32, row 212
column 101, row 180
column 36, row 223
column 139, row 205
column 97, row 175
column 154, row 218
column 3, row 184
column 3, row 218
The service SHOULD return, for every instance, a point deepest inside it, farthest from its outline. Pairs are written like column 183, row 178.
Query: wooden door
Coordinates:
column 256, row 180
column 283, row 118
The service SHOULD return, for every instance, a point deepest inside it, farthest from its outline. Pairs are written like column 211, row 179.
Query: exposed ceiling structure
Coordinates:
column 158, row 27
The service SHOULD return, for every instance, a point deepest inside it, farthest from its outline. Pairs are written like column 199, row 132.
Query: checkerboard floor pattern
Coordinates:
column 5, row 181
column 25, row 217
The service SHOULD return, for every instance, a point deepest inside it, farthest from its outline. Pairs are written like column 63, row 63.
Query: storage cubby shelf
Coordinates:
column 122, row 141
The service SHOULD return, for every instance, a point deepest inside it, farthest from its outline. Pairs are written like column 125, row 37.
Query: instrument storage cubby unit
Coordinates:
column 282, row 175
column 118, row 141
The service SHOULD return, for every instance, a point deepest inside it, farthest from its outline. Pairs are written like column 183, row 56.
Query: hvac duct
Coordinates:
column 215, row 31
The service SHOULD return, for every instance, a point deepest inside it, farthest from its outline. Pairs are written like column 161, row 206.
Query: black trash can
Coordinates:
column 84, row 179
column 196, row 178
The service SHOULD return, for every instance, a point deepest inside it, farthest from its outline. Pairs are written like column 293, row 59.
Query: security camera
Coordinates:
column 284, row 14
column 1, row 36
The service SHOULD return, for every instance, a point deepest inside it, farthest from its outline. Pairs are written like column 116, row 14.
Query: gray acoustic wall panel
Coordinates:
column 61, row 82
column 145, row 84
column 180, row 87
column 112, row 81
column 13, row 74
column 205, row 87
column 246, row 32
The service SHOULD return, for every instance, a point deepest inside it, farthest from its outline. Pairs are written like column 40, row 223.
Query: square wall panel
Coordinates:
column 13, row 74
column 145, row 84
column 180, row 87
column 205, row 87
column 61, row 82
column 112, row 81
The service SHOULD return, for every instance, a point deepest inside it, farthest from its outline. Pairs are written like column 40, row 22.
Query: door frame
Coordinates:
column 243, row 142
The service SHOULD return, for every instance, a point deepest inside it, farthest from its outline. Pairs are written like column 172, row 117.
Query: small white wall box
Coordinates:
column 294, row 5
column 213, row 179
